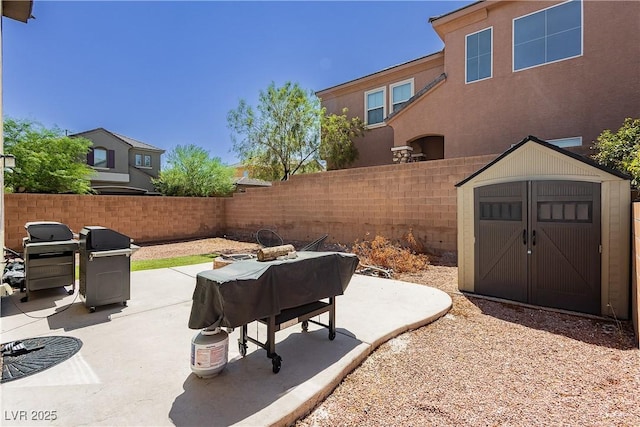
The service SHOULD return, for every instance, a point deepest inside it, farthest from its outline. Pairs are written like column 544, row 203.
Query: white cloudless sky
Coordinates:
column 168, row 72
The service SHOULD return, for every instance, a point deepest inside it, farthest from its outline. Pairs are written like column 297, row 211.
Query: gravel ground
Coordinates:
column 484, row 363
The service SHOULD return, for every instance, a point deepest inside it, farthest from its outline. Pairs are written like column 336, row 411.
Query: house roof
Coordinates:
column 435, row 18
column 433, row 83
column 252, row 182
column 393, row 67
column 127, row 140
column 20, row 10
column 536, row 140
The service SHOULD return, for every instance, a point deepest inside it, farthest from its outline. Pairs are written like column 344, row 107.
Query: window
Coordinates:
column 138, row 159
column 550, row 35
column 565, row 211
column 100, row 158
column 567, row 142
column 147, row 161
column 501, row 211
column 479, row 58
column 400, row 93
column 374, row 106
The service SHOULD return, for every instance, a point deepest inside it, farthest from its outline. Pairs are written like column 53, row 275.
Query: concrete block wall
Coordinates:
column 145, row 219
column 635, row 274
column 359, row 203
column 348, row 205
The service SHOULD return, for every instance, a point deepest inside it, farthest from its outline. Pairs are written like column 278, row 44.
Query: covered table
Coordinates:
column 278, row 293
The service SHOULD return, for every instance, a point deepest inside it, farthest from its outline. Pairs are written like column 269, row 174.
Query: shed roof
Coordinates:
column 545, row 144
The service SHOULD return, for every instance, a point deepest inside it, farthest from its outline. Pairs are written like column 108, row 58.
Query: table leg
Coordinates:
column 242, row 341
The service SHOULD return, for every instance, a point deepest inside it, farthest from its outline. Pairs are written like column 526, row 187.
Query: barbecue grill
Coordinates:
column 49, row 256
column 279, row 294
column 105, row 267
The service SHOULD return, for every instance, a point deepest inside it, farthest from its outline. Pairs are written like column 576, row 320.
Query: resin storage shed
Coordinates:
column 544, row 226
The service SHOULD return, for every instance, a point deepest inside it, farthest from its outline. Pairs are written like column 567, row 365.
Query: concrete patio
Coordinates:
column 134, row 369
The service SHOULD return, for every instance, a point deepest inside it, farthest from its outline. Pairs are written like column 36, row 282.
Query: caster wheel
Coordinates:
column 92, row 309
column 305, row 326
column 276, row 361
column 70, row 292
column 332, row 335
column 242, row 348
column 124, row 303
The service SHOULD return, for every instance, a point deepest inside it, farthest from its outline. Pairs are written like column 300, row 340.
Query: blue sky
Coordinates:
column 168, row 72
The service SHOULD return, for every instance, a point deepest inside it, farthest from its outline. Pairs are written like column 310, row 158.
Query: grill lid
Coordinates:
column 47, row 231
column 96, row 237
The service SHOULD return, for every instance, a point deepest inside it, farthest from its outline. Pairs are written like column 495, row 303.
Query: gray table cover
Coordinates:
column 244, row 291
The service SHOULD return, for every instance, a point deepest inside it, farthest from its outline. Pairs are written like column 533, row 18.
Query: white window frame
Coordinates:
column 466, row 78
column 574, row 141
column 513, row 38
column 402, row 83
column 382, row 89
column 144, row 161
column 135, row 160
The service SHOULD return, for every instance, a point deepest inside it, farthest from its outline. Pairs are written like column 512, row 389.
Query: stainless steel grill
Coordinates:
column 49, row 256
column 105, row 267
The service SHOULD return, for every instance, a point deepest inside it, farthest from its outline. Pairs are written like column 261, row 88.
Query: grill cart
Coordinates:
column 105, row 266
column 49, row 256
column 279, row 293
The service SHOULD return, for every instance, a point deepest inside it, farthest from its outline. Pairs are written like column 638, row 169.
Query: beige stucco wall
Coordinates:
column 375, row 147
column 533, row 161
column 575, row 97
column 635, row 289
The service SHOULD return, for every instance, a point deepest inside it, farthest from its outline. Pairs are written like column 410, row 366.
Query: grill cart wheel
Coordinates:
column 305, row 326
column 276, row 361
column 242, row 348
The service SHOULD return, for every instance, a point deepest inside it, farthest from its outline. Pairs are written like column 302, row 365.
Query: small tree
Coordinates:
column 47, row 161
column 282, row 135
column 621, row 150
column 338, row 132
column 190, row 172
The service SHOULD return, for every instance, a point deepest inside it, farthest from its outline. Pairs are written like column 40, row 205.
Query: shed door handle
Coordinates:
column 524, row 236
column 533, row 238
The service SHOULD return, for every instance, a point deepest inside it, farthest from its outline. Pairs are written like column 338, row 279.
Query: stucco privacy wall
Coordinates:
column 355, row 203
column 145, row 219
column 635, row 276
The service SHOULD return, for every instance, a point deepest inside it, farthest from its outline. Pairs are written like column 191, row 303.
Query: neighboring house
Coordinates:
column 563, row 71
column 242, row 179
column 122, row 165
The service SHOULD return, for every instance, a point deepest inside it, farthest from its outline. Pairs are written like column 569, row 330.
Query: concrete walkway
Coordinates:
column 134, row 365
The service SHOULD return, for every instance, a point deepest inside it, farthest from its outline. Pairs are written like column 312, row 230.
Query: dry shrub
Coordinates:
column 401, row 256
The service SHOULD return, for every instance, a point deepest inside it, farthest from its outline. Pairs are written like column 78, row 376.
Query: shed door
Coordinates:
column 500, row 258
column 565, row 245
column 539, row 242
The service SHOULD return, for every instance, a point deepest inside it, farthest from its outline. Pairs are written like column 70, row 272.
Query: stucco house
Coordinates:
column 122, row 164
column 561, row 70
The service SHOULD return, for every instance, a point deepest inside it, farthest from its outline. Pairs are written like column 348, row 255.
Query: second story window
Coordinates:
column 138, row 159
column 147, row 161
column 400, row 93
column 549, row 35
column 100, row 158
column 479, row 61
column 374, row 106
